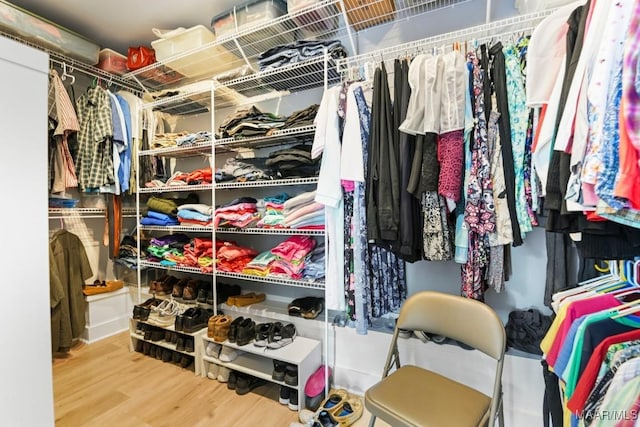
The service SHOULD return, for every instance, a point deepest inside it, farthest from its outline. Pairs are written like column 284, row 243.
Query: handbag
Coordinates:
column 139, row 57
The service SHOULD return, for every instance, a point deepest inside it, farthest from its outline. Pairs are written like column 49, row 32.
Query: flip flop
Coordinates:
column 335, row 398
column 348, row 412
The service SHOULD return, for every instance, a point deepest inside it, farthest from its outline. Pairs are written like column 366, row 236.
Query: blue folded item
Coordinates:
column 159, row 215
column 156, row 221
column 278, row 198
column 194, row 215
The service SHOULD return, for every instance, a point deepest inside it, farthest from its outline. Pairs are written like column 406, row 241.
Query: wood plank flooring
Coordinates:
column 104, row 384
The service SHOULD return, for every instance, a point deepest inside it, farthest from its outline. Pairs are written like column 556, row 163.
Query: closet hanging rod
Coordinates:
column 89, row 70
column 480, row 32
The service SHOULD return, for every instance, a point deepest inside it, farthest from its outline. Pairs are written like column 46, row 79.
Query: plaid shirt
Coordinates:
column 95, row 159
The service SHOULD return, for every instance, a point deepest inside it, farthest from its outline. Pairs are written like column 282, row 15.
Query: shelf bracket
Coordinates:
column 343, row 9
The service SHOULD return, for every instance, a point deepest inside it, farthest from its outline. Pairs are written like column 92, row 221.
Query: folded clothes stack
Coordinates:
column 195, row 177
column 195, row 214
column 260, row 265
column 301, row 118
column 295, row 161
column 314, row 263
column 303, row 212
column 166, row 140
column 239, row 213
column 128, row 252
column 158, row 218
column 161, row 246
column 273, row 211
column 231, row 257
column 290, row 256
column 299, row 51
column 180, row 250
column 243, row 170
column 249, row 122
column 193, row 138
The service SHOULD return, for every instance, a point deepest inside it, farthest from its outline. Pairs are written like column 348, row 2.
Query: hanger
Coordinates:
column 65, row 74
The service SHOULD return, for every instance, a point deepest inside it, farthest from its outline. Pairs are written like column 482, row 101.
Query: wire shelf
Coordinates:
column 192, row 270
column 61, row 213
column 276, row 231
column 324, row 20
column 473, row 35
column 271, row 279
column 278, row 137
column 177, row 188
column 274, row 183
column 198, row 149
column 174, row 228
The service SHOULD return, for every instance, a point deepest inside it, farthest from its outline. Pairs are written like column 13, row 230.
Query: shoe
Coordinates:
column 221, row 328
column 293, row 400
column 178, row 287
column 263, row 330
column 307, row 307
column 348, row 412
column 246, row 383
column 228, row 354
column 246, row 332
column 166, row 355
column 179, row 325
column 180, row 344
column 146, row 348
column 223, row 374
column 164, row 315
column 233, row 329
column 212, row 371
column 190, row 291
column 141, row 311
column 224, row 291
column 176, row 357
column 186, row 361
column 188, row 345
column 336, row 397
column 247, row 299
column 139, row 346
column 157, row 335
column 233, row 377
column 281, row 335
column 148, row 332
column 279, row 369
column 285, row 393
column 202, row 296
column 159, row 352
column 325, row 419
column 291, row 375
column 166, row 287
column 213, row 350
column 195, row 320
column 167, row 335
column 211, row 324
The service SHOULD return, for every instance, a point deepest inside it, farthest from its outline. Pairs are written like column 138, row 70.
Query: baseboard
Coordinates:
column 93, row 333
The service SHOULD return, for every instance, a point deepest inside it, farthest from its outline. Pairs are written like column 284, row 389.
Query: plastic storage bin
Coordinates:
column 315, row 21
column 112, row 62
column 41, row 32
column 367, row 13
column 206, row 62
column 251, row 15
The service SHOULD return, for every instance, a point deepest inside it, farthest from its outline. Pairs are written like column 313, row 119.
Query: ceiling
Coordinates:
column 118, row 24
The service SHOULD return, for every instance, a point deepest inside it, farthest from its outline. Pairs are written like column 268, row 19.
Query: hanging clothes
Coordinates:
column 64, row 116
column 71, row 269
column 95, row 159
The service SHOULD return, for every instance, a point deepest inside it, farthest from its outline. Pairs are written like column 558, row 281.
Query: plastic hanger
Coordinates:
column 65, row 74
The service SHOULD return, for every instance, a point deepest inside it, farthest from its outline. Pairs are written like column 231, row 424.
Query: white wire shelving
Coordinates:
column 227, row 230
column 61, row 213
column 175, row 188
column 324, row 20
column 272, row 279
column 192, row 270
column 278, row 137
column 274, row 183
column 200, row 148
column 472, row 36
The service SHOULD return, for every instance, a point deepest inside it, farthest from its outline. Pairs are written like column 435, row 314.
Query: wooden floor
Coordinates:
column 104, row 384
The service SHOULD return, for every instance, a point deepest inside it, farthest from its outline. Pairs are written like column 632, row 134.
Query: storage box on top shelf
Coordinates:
column 204, row 63
column 40, row 32
column 251, row 15
column 315, row 21
column 112, row 62
column 362, row 14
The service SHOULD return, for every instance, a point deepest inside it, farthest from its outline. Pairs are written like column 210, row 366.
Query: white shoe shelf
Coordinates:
column 304, row 353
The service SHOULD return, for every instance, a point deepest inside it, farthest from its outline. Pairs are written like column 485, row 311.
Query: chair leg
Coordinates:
column 501, row 414
column 372, row 421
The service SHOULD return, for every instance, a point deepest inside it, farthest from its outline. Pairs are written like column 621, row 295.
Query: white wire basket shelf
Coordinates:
column 274, row 183
column 56, row 213
column 192, row 270
column 278, row 137
column 176, row 188
column 272, row 279
column 276, row 231
column 198, row 149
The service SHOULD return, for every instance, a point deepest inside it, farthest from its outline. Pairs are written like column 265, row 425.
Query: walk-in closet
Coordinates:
column 313, row 213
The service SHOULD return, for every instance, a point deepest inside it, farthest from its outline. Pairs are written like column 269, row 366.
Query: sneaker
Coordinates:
column 281, row 335
column 213, row 350
column 180, row 346
column 246, row 332
column 223, row 374
column 212, row 371
column 293, row 400
column 263, row 330
column 233, row 378
column 189, row 345
column 186, row 361
column 285, row 393
column 228, row 354
column 291, row 375
column 279, row 369
column 246, row 383
column 233, row 329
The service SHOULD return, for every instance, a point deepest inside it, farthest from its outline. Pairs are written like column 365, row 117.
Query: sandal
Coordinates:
column 335, row 398
column 348, row 412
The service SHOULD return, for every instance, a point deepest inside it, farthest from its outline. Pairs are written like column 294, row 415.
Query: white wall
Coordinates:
column 26, row 392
